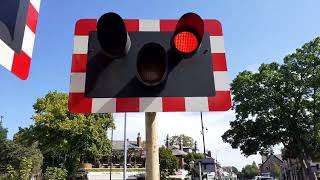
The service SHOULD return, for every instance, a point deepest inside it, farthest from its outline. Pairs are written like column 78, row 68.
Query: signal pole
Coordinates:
column 125, row 148
column 111, row 158
column 152, row 154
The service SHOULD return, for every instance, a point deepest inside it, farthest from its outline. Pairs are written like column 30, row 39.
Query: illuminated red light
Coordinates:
column 186, row 42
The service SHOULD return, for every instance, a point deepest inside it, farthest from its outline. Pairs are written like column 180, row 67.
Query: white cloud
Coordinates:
column 189, row 124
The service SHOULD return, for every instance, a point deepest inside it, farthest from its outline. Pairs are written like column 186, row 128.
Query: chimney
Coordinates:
column 139, row 140
column 181, row 145
column 167, row 141
column 209, row 154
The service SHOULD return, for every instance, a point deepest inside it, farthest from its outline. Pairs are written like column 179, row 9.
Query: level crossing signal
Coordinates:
column 18, row 24
column 123, row 65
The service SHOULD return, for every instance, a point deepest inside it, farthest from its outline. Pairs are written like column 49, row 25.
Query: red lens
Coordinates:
column 186, row 42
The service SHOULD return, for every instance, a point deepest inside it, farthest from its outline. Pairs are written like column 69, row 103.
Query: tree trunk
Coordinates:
column 311, row 175
column 306, row 168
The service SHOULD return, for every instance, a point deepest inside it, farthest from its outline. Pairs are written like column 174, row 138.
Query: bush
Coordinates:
column 22, row 173
column 168, row 162
column 10, row 172
column 25, row 168
column 54, row 173
column 192, row 157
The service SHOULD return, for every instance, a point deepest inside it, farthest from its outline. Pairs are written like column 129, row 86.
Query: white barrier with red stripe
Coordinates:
column 19, row 64
column 80, row 104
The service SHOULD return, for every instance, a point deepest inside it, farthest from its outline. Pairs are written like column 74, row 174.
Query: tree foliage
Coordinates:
column 250, row 171
column 193, row 156
column 18, row 161
column 25, row 169
column 22, row 172
column 276, row 170
column 168, row 162
column 10, row 173
column 186, row 140
column 54, row 173
column 3, row 133
column 66, row 138
column 279, row 104
column 14, row 155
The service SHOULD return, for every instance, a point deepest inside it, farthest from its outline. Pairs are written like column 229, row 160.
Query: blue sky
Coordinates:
column 255, row 32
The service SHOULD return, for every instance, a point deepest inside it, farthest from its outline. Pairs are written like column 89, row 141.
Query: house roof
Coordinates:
column 264, row 158
column 177, row 152
column 276, row 156
column 206, row 161
column 119, row 145
column 279, row 156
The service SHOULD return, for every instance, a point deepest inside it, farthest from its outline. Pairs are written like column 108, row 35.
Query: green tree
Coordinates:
column 10, row 172
column 186, row 140
column 316, row 157
column 279, row 104
column 250, row 171
column 25, row 169
column 193, row 156
column 54, row 173
column 15, row 155
column 3, row 132
column 168, row 162
column 23, row 172
column 276, row 170
column 66, row 139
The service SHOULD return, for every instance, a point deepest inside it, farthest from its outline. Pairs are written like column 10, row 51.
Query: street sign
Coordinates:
column 18, row 23
column 155, row 66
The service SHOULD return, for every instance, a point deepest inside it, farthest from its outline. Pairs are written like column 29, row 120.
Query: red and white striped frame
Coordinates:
column 19, row 64
column 78, row 103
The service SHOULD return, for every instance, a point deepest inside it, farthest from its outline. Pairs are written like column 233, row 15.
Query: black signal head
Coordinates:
column 188, row 34
column 112, row 35
column 152, row 64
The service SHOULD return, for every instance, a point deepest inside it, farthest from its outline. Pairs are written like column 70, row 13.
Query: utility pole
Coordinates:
column 202, row 132
column 1, row 117
column 152, row 154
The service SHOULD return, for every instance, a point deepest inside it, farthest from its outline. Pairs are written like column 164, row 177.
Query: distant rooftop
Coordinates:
column 177, row 152
column 265, row 158
column 119, row 145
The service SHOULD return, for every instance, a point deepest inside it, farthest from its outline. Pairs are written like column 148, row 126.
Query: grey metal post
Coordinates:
column 204, row 144
column 111, row 158
column 125, row 147
column 200, row 173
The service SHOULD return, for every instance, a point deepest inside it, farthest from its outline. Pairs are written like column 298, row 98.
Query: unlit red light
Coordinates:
column 186, row 42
